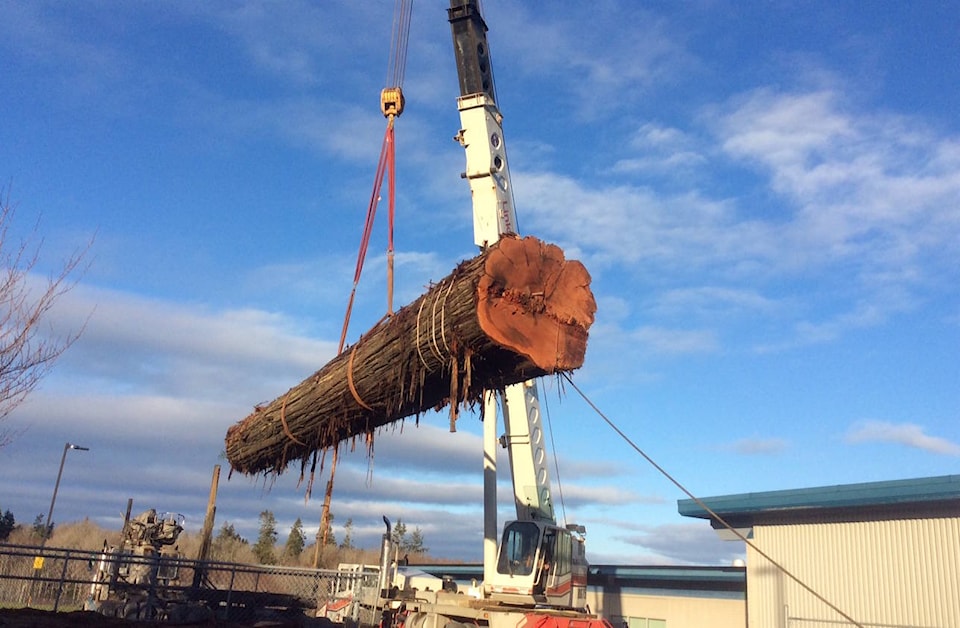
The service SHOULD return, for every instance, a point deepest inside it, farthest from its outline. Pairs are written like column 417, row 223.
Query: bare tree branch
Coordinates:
column 29, row 346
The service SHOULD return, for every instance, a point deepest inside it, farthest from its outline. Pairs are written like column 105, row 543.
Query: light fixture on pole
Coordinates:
column 56, row 487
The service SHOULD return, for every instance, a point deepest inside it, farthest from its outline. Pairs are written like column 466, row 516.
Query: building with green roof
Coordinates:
column 870, row 554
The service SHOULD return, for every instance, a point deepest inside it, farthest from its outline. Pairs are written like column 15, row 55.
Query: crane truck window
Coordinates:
column 519, row 548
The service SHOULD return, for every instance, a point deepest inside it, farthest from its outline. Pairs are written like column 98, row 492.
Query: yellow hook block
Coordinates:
column 391, row 101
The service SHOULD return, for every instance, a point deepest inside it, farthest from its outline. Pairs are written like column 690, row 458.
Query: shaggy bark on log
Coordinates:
column 518, row 310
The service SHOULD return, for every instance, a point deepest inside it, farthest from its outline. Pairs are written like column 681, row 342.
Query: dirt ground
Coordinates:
column 33, row 618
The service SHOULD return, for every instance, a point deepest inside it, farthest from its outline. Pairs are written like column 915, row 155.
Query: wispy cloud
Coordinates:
column 907, row 434
column 135, row 344
column 685, row 543
column 676, row 341
column 599, row 69
column 712, row 301
column 662, row 150
column 878, row 186
column 758, row 446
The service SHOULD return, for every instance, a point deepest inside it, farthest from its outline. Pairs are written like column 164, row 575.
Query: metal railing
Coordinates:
column 64, row 579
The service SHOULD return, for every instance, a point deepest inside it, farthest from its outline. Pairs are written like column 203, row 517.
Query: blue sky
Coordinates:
column 767, row 195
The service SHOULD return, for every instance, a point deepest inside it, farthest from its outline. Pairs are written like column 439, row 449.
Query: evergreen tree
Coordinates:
column 416, row 545
column 40, row 530
column 263, row 549
column 400, row 533
column 347, row 535
column 227, row 543
column 7, row 524
column 296, row 541
column 331, row 540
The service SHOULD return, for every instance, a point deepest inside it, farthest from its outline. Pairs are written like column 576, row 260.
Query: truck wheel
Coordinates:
column 415, row 620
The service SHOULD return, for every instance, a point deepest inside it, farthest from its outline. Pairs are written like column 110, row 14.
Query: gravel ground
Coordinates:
column 33, row 618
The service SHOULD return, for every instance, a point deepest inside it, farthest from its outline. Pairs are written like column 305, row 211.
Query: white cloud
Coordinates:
column 585, row 497
column 685, row 543
column 134, row 344
column 676, row 341
column 127, row 418
column 878, row 186
column 715, row 300
column 758, row 446
column 907, row 434
column 626, row 225
column 662, row 150
column 292, row 44
column 600, row 69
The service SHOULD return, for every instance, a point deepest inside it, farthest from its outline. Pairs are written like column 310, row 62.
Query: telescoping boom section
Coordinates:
column 537, row 562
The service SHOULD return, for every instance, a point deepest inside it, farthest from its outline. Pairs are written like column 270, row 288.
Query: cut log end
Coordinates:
column 533, row 301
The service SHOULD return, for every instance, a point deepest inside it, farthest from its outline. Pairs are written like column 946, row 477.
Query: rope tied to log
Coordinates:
column 443, row 317
column 433, row 328
column 432, row 342
column 283, row 421
column 350, row 384
column 419, row 350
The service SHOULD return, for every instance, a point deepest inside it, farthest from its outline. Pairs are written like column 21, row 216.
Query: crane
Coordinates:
column 538, row 561
column 538, row 574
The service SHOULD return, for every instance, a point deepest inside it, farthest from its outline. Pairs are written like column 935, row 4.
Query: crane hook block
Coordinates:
column 391, row 101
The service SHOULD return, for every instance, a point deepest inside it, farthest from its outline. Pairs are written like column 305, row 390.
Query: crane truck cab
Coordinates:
column 540, row 563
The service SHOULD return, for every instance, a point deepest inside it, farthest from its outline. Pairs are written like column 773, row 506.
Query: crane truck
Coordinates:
column 538, row 573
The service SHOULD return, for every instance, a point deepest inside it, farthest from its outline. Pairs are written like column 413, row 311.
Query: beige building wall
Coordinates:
column 673, row 611
column 902, row 572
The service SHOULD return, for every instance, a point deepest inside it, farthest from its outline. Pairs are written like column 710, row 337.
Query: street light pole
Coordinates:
column 56, row 487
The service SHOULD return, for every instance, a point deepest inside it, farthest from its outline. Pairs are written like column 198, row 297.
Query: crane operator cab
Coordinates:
column 542, row 563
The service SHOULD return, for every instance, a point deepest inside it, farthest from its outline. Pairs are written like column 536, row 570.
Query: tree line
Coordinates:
column 228, row 545
column 267, row 551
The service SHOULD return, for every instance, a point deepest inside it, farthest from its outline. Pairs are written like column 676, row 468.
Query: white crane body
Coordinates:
column 488, row 173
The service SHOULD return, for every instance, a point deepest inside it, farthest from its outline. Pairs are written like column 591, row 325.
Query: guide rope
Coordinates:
column 709, row 510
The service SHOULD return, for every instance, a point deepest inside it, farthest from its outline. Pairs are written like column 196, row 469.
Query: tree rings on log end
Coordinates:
column 533, row 301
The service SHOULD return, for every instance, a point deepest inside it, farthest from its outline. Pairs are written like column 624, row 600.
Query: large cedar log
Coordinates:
column 518, row 310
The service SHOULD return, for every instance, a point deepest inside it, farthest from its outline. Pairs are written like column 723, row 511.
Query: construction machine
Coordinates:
column 129, row 577
column 538, row 573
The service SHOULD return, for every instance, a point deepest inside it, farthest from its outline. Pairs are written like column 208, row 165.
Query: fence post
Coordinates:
column 233, row 575
column 63, row 577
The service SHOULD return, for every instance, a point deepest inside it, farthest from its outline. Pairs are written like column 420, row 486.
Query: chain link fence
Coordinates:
column 158, row 586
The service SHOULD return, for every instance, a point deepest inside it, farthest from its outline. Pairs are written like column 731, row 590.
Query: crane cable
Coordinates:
column 391, row 105
column 701, row 504
column 553, row 448
column 400, row 40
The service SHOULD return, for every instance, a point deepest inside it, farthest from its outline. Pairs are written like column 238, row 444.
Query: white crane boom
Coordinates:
column 494, row 215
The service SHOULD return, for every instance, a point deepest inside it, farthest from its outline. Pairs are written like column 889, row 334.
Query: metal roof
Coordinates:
column 667, row 579
column 745, row 507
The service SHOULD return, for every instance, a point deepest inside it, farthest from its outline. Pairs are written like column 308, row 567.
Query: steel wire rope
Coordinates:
column 399, row 42
column 553, row 448
column 706, row 508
